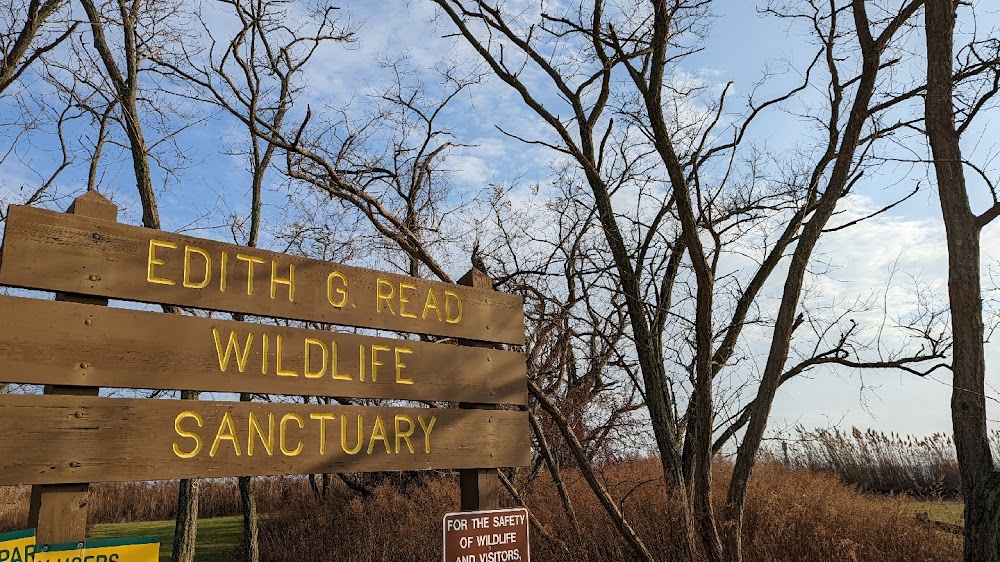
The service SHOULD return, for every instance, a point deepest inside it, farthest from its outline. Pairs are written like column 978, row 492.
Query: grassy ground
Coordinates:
column 945, row 511
column 218, row 538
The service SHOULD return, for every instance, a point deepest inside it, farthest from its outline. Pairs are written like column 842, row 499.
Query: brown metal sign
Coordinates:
column 76, row 254
column 48, row 342
column 499, row 535
column 65, row 439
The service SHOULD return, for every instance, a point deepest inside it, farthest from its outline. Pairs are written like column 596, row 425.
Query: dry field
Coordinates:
column 793, row 515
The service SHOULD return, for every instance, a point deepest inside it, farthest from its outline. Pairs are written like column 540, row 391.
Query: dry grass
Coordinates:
column 879, row 462
column 792, row 515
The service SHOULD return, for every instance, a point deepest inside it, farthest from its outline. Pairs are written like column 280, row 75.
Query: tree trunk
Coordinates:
column 186, row 527
column 980, row 480
column 251, row 549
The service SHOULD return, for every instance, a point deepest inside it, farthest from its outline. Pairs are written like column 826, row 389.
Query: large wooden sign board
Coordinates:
column 76, row 346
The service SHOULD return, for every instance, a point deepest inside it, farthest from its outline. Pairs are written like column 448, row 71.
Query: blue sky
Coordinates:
column 906, row 244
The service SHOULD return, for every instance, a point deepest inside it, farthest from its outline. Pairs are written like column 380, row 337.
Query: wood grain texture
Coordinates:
column 59, row 252
column 85, row 439
column 46, row 342
column 58, row 512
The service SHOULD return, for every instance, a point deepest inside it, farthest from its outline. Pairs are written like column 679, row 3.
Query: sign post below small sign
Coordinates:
column 499, row 535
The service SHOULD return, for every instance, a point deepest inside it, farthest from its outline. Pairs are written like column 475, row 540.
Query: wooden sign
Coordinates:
column 69, row 437
column 47, row 342
column 498, row 535
column 76, row 254
column 87, row 439
column 131, row 549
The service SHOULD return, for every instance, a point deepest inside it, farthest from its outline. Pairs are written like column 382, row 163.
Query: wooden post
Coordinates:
column 480, row 486
column 58, row 512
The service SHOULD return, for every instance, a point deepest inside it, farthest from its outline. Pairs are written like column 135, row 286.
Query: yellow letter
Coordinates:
column 322, row 370
column 225, row 425
column 340, row 291
column 361, row 362
column 432, row 302
column 153, row 260
column 403, row 299
column 427, row 432
column 255, row 427
column 322, row 429
column 263, row 354
column 375, row 362
column 447, row 308
column 250, row 261
column 343, row 434
column 185, row 433
column 334, row 363
column 381, row 296
column 188, row 251
column 282, row 431
column 378, row 432
column 222, row 272
column 400, row 366
column 404, row 434
column 277, row 363
column 290, row 280
column 233, row 345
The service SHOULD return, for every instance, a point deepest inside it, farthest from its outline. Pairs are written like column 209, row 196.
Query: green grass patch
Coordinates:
column 945, row 511
column 218, row 538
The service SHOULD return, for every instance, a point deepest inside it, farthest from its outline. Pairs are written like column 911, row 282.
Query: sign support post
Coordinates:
column 480, row 486
column 58, row 512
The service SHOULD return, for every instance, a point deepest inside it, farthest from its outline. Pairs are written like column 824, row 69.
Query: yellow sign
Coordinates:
column 18, row 546
column 133, row 549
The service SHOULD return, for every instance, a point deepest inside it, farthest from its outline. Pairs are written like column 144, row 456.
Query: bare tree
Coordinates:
column 700, row 190
column 123, row 77
column 30, row 32
column 20, row 34
column 387, row 165
column 949, row 113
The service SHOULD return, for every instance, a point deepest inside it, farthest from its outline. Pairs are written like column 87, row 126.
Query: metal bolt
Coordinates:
column 94, row 277
column 88, row 321
column 75, row 464
column 78, row 414
column 96, row 236
column 84, row 365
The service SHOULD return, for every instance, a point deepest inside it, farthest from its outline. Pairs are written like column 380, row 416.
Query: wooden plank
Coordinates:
column 45, row 342
column 65, row 439
column 58, row 252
